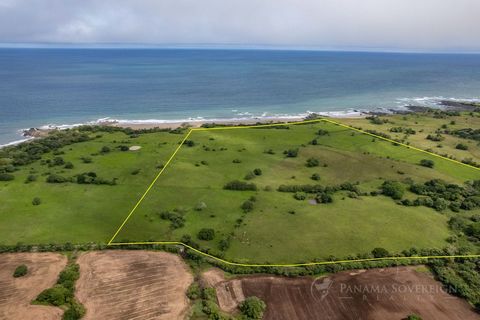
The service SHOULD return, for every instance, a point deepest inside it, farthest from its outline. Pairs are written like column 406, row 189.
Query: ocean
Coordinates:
column 41, row 87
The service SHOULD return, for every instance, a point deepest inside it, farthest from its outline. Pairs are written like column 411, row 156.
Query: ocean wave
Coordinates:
column 16, row 142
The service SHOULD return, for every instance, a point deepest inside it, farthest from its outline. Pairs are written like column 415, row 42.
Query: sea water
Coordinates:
column 41, row 87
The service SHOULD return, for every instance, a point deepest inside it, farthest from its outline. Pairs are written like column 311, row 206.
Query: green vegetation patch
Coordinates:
column 275, row 196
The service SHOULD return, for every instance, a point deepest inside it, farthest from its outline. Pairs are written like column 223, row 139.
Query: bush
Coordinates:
column 249, row 176
column 253, row 308
column 393, row 189
column 312, row 162
column 36, row 201
column 20, row 271
column 55, row 178
column 461, row 146
column 177, row 220
column 6, row 177
column 240, row 186
column 257, row 171
column 31, row 178
column 324, row 197
column 427, row 163
column 86, row 159
column 315, row 177
column 68, row 165
column 105, row 149
column 413, row 317
column 201, row 206
column 57, row 296
column 75, row 312
column 300, row 196
column 206, row 234
column 189, row 143
column 135, row 172
column 380, row 253
column 247, row 206
column 291, row 153
column 193, row 291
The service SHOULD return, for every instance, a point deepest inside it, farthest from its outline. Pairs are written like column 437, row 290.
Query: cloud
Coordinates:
column 389, row 24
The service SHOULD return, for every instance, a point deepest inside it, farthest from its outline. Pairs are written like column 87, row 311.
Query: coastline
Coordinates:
column 42, row 131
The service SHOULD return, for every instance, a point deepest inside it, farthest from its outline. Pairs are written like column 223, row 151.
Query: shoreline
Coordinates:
column 42, row 131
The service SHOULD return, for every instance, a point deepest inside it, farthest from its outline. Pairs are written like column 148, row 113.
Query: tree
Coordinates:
column 393, row 189
column 427, row 163
column 380, row 253
column 253, row 308
column 20, row 271
column 206, row 234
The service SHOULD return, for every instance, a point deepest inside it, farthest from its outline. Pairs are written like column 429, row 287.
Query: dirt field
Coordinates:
column 17, row 293
column 131, row 285
column 391, row 293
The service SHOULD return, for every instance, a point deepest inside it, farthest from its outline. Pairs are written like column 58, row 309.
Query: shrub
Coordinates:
column 257, row 171
column 135, row 172
column 247, row 206
column 193, row 291
column 189, row 143
column 253, row 308
column 312, row 162
column 6, row 177
column 224, row 244
column 240, row 186
column 20, row 271
column 315, row 177
column 380, row 253
column 123, row 148
column 237, row 161
column 68, row 165
column 291, row 153
column 74, row 312
column 393, row 189
column 201, row 206
column 427, row 163
column 324, row 197
column 105, row 149
column 249, row 176
column 31, row 178
column 461, row 146
column 55, row 178
column 413, row 317
column 86, row 159
column 36, row 201
column 300, row 196
column 57, row 295
column 206, row 234
column 322, row 132
column 177, row 220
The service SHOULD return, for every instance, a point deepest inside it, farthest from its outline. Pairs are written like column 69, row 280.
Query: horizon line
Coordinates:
column 194, row 46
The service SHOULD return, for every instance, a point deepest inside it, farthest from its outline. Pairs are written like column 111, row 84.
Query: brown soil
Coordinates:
column 123, row 284
column 391, row 293
column 17, row 293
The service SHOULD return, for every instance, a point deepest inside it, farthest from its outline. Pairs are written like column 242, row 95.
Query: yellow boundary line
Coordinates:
column 306, row 264
column 111, row 243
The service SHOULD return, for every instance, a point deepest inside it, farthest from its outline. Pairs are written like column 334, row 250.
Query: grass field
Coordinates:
column 280, row 228
column 76, row 213
column 276, row 228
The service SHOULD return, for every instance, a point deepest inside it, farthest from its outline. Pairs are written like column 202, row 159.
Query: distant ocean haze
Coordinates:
column 71, row 86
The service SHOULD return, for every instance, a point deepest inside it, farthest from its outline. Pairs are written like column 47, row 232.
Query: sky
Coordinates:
column 390, row 25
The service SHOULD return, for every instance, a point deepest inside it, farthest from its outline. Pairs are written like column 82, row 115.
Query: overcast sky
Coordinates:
column 425, row 25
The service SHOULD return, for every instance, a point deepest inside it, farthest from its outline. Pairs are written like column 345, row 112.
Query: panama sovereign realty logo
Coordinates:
column 320, row 287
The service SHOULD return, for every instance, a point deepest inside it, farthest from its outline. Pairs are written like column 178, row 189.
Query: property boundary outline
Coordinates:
column 170, row 159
